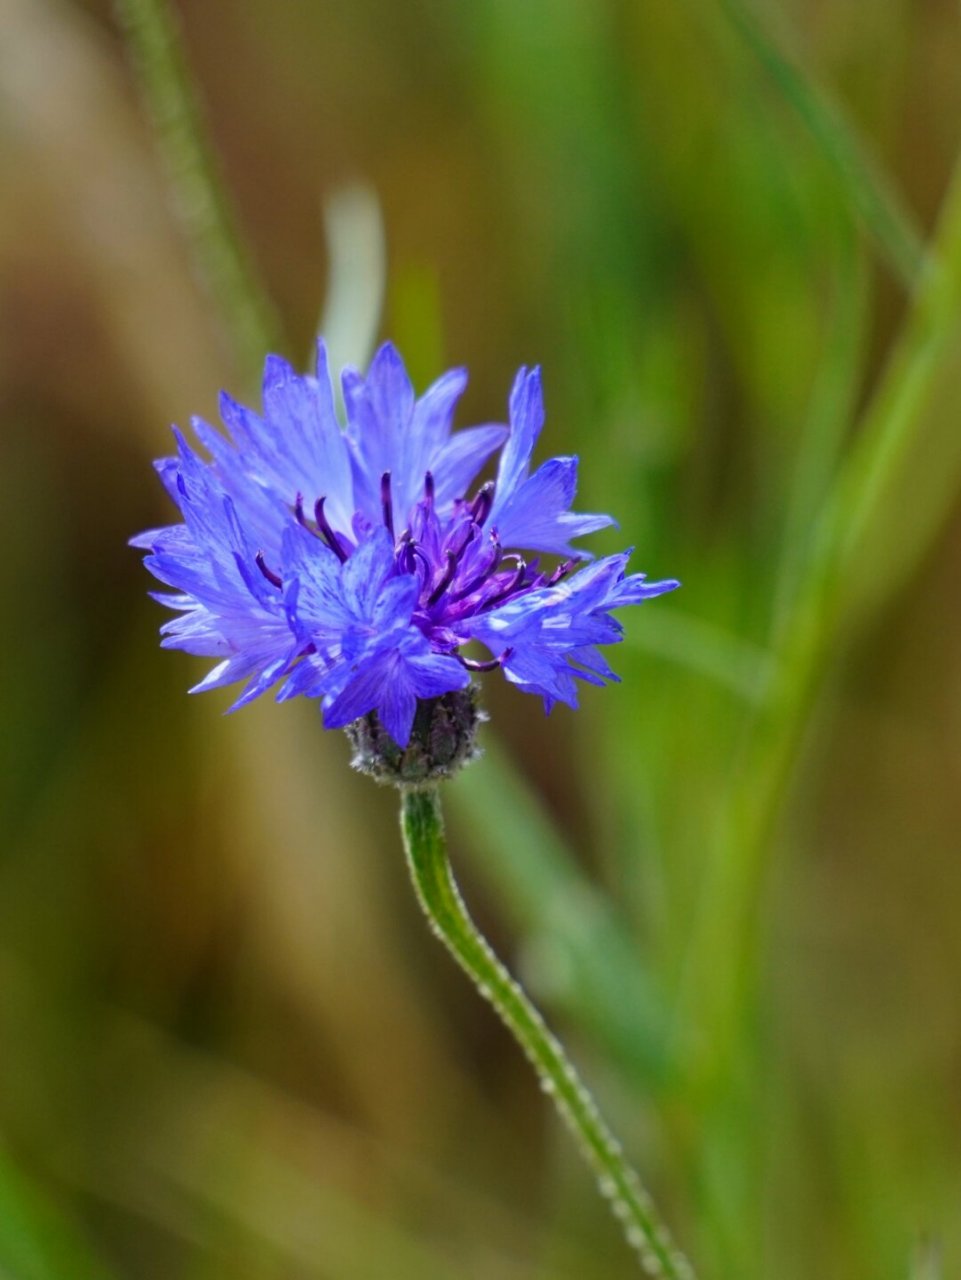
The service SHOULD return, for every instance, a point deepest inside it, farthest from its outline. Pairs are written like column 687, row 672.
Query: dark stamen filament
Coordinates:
column 446, row 578
column 480, row 508
column 429, row 487
column 561, row 571
column 515, row 582
column 386, row 505
column 327, row 533
column 406, row 552
column 274, row 579
column 472, row 531
column 484, row 574
column 418, row 553
column 492, row 665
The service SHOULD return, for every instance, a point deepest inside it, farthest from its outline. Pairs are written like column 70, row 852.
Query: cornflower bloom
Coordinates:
column 355, row 564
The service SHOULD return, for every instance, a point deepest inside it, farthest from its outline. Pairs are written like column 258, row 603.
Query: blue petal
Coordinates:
column 362, row 692
column 365, row 572
column 397, row 705
column 455, row 465
column 526, row 421
column 389, row 387
column 537, row 515
column 311, row 678
column 313, row 593
column 390, row 681
column 304, row 428
column 379, row 409
column 433, row 417
column 635, row 589
column 389, row 432
column 424, row 439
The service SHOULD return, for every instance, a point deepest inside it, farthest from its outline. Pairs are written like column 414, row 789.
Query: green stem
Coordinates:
column 437, row 892
column 224, row 264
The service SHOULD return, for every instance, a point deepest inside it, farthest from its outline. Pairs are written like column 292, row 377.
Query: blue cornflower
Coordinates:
column 354, row 564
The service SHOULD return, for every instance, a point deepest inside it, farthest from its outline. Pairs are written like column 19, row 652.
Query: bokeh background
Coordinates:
column 228, row 1045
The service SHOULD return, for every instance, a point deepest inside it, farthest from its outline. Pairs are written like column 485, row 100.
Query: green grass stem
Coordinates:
column 200, row 200
column 862, row 516
column 864, row 186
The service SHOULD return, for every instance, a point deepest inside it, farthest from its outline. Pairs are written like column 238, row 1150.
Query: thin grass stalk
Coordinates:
column 223, row 260
column 865, row 187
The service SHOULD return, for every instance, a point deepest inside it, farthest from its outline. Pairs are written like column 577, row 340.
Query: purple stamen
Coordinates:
column 327, row 533
column 446, row 578
column 420, row 554
column 480, row 508
column 561, row 571
column 406, row 553
column 490, row 665
column 274, row 579
column 485, row 573
column 471, row 535
column 429, row 487
column 386, row 505
column 512, row 586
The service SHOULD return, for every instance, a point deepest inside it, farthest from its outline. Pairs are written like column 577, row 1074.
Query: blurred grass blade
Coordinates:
column 37, row 1242
column 833, row 398
column 865, row 541
column 576, row 951
column 357, row 275
column 286, row 1179
column 192, row 170
column 862, row 183
column 319, row 1230
column 909, row 442
column 738, row 665
column 926, row 1263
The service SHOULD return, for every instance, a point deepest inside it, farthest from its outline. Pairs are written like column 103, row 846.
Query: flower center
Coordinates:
column 462, row 572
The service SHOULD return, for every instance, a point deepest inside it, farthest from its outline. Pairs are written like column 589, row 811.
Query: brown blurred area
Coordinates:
column 229, row 1046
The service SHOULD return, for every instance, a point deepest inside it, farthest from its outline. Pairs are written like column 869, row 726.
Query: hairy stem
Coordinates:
column 437, row 892
column 198, row 192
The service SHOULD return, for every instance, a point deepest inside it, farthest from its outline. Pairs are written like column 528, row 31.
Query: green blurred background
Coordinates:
column 228, row 1045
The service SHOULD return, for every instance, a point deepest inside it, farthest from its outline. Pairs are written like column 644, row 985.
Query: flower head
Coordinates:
column 355, row 563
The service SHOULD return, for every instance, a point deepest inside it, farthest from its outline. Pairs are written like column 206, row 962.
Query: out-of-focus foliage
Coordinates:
column 229, row 1046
